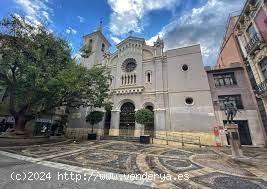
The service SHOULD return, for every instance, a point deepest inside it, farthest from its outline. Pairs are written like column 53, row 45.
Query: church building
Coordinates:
column 172, row 83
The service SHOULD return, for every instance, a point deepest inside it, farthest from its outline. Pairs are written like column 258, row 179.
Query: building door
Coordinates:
column 127, row 119
column 149, row 128
column 244, row 133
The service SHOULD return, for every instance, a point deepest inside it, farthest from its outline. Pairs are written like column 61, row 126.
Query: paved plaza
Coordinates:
column 172, row 167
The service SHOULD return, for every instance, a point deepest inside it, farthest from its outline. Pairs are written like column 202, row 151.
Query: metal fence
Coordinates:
column 77, row 134
column 126, row 132
column 179, row 137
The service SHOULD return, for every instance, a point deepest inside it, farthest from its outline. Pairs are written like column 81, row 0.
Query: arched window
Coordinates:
column 103, row 47
column 150, row 108
column 122, row 80
column 134, row 79
column 148, row 76
column 91, row 43
column 131, row 79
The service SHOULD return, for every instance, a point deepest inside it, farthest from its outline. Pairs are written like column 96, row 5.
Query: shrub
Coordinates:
column 144, row 116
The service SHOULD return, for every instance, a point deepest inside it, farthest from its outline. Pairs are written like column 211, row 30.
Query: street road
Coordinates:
column 12, row 173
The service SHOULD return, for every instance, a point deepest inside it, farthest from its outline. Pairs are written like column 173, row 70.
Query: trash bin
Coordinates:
column 144, row 139
column 91, row 136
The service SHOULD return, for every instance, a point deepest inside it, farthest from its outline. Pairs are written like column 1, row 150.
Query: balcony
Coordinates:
column 261, row 88
column 253, row 43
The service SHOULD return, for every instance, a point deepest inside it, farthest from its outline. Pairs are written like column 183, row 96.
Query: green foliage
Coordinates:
column 144, row 116
column 39, row 73
column 86, row 51
column 95, row 87
column 94, row 117
column 108, row 106
column 3, row 108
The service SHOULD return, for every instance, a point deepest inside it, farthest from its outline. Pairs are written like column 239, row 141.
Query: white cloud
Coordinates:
column 115, row 39
column 204, row 25
column 36, row 11
column 128, row 15
column 81, row 19
column 77, row 57
column 153, row 39
column 70, row 30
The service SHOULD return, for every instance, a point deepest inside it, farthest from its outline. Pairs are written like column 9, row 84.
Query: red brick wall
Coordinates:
column 230, row 53
column 261, row 25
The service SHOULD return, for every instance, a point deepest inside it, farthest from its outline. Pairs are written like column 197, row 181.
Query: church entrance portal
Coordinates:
column 149, row 128
column 127, row 119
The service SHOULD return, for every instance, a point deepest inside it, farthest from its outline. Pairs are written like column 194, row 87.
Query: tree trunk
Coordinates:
column 20, row 122
column 92, row 131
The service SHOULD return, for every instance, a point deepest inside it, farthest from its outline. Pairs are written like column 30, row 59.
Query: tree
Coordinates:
column 144, row 116
column 94, row 117
column 108, row 106
column 39, row 74
column 86, row 51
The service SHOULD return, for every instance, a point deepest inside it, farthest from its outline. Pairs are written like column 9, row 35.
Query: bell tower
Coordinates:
column 159, row 45
column 99, row 46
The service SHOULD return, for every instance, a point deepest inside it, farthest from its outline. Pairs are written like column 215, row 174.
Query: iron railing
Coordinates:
column 253, row 43
column 179, row 137
column 128, row 134
column 261, row 88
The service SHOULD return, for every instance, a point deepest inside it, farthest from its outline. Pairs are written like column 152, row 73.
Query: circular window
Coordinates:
column 184, row 67
column 129, row 65
column 189, row 100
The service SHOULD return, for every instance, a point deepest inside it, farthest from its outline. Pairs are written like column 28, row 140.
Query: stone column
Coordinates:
column 160, row 121
column 114, row 123
column 234, row 140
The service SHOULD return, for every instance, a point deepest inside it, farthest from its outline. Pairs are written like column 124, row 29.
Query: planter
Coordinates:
column 91, row 136
column 145, row 139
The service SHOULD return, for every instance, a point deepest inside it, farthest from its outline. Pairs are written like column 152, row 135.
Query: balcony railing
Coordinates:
column 261, row 88
column 253, row 43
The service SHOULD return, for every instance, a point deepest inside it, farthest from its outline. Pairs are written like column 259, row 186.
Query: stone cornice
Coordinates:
column 159, row 109
column 128, row 90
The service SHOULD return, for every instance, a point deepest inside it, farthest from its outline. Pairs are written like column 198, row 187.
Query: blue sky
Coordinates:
column 178, row 22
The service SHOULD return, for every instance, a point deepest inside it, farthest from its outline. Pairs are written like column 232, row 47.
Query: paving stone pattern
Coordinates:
column 206, row 167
